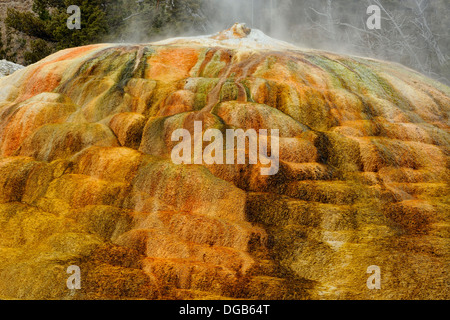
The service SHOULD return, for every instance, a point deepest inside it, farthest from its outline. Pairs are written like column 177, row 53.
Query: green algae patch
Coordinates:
column 340, row 152
column 247, row 85
column 229, row 91
column 214, row 67
column 106, row 221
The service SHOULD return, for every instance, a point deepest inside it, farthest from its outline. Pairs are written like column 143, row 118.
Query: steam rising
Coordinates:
column 410, row 34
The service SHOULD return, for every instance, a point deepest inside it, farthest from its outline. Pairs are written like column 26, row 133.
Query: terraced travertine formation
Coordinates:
column 87, row 179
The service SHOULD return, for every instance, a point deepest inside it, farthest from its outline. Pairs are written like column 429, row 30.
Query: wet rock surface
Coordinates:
column 7, row 68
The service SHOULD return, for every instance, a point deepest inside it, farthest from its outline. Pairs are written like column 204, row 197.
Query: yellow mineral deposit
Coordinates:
column 87, row 179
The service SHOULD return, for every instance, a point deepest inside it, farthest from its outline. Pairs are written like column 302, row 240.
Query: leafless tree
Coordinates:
column 405, row 35
column 328, row 26
column 422, row 25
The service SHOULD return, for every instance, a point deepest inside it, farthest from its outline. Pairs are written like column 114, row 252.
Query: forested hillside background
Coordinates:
column 413, row 32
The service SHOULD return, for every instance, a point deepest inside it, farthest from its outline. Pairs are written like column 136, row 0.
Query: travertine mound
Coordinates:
column 87, row 179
